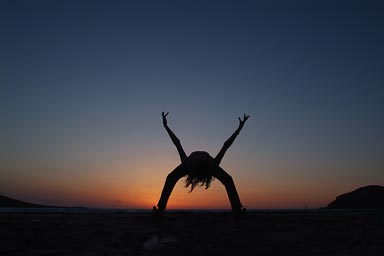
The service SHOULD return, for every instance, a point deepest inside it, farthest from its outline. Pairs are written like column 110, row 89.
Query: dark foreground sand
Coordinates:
column 262, row 233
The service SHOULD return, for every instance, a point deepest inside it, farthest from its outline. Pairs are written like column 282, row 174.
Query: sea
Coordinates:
column 131, row 211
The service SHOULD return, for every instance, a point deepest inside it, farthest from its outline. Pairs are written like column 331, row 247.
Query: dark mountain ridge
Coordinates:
column 10, row 202
column 369, row 197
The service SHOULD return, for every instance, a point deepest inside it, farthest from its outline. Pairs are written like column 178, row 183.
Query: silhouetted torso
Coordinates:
column 200, row 162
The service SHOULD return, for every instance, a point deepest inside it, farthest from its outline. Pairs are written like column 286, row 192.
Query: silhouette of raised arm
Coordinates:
column 231, row 139
column 174, row 139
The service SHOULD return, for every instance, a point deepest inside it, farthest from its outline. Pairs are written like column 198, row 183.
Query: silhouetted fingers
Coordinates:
column 245, row 117
column 164, row 114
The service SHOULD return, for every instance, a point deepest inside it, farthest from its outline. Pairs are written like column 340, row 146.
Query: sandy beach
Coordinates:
column 191, row 233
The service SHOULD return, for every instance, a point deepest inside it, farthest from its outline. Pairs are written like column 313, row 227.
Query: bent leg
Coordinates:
column 227, row 181
column 170, row 182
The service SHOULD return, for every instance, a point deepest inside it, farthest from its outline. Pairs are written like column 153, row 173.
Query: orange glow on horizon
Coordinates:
column 128, row 186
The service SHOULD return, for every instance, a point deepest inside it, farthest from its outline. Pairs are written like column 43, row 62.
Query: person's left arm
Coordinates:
column 231, row 139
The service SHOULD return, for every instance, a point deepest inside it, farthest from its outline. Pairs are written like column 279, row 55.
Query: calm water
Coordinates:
column 144, row 211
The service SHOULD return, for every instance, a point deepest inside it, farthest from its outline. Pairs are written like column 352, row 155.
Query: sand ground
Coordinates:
column 187, row 233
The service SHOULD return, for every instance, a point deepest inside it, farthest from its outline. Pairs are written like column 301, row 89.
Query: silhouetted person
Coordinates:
column 200, row 168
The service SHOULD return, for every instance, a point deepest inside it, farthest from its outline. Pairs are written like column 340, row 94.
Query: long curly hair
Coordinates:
column 200, row 170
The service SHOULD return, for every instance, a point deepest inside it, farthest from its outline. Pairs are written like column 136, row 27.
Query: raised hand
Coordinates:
column 242, row 122
column 164, row 115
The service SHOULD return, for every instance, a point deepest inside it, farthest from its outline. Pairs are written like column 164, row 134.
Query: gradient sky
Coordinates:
column 83, row 84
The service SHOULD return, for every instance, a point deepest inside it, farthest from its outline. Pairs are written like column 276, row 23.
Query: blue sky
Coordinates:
column 83, row 84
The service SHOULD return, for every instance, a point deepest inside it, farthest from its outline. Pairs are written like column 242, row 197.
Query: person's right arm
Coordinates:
column 174, row 139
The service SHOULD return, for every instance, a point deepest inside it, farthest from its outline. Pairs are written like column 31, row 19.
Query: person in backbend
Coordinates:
column 200, row 168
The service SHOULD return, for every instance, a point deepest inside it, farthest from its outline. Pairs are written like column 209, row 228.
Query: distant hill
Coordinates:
column 369, row 197
column 9, row 202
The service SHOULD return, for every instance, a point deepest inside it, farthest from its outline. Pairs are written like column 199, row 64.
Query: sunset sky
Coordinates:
column 83, row 85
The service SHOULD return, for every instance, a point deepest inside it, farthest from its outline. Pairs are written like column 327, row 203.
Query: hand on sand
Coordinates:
column 241, row 214
column 157, row 213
